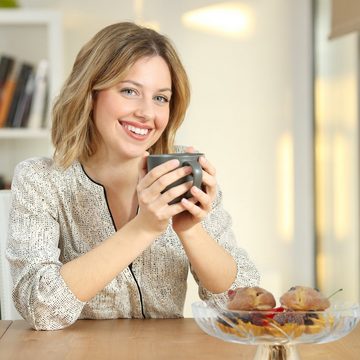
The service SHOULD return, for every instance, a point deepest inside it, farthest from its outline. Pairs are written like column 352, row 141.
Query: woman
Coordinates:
column 91, row 233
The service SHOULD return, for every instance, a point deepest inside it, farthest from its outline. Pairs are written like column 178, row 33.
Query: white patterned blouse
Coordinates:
column 58, row 215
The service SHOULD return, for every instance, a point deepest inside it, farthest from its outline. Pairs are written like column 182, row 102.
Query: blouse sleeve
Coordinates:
column 218, row 225
column 40, row 294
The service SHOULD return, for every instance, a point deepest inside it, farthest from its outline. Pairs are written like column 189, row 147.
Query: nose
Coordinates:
column 145, row 110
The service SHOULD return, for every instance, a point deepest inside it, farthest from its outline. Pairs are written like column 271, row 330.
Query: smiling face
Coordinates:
column 131, row 116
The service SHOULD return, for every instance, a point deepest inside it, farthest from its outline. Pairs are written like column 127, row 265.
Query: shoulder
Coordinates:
column 41, row 166
column 33, row 167
column 31, row 173
column 32, row 183
column 41, row 178
column 38, row 171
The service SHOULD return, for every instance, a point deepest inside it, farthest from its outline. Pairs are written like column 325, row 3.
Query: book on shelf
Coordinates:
column 24, row 95
column 14, row 115
column 6, row 66
column 7, row 95
column 39, row 104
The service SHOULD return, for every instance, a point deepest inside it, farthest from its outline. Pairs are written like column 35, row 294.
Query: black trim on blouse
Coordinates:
column 114, row 225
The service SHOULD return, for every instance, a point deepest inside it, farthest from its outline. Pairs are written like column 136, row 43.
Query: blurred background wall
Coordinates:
column 252, row 113
column 336, row 122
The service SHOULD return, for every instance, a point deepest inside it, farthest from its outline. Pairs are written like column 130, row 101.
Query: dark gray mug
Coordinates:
column 185, row 159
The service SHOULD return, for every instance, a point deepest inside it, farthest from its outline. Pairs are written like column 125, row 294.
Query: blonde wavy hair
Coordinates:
column 102, row 63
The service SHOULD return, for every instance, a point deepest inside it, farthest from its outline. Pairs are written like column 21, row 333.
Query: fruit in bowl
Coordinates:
column 250, row 298
column 276, row 331
column 252, row 312
column 304, row 298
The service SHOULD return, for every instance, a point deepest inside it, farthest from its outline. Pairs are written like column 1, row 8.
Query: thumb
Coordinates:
column 143, row 165
column 189, row 149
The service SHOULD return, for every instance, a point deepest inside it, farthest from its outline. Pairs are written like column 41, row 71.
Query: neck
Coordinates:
column 113, row 173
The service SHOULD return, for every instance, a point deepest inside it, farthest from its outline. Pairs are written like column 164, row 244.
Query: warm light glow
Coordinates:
column 336, row 126
column 285, row 160
column 151, row 25
column 232, row 19
column 320, row 267
column 138, row 10
column 341, row 188
column 139, row 16
column 342, row 91
column 322, row 154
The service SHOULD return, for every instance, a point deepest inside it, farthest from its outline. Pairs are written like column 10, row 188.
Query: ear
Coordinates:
column 94, row 94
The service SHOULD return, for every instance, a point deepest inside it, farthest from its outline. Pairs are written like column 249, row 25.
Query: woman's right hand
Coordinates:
column 154, row 209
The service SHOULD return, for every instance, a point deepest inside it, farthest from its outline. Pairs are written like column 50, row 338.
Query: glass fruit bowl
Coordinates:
column 276, row 332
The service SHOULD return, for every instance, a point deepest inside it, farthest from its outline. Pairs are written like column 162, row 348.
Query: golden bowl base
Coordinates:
column 276, row 352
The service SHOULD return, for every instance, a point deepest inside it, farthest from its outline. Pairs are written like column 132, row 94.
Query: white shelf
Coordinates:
column 30, row 35
column 27, row 19
column 27, row 16
column 24, row 134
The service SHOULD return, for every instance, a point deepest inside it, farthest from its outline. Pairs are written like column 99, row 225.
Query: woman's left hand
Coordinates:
column 200, row 204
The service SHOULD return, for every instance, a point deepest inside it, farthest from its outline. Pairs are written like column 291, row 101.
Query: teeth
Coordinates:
column 136, row 130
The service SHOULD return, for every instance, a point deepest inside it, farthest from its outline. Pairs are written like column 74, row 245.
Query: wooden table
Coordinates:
column 144, row 339
column 3, row 327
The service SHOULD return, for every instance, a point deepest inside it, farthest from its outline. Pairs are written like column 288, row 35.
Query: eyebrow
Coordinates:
column 140, row 85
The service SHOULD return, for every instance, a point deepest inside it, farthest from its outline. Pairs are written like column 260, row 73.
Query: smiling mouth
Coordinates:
column 136, row 130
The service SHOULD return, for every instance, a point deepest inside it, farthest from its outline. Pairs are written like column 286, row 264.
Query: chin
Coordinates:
column 134, row 153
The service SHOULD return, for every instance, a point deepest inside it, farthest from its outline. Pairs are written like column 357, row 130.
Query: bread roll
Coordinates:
column 304, row 298
column 250, row 298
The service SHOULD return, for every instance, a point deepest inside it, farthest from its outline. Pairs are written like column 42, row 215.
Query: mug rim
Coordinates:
column 175, row 154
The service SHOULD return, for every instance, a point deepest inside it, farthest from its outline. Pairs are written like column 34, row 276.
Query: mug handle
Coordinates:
column 196, row 172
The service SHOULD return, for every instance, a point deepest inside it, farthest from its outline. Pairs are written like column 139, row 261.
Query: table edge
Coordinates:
column 6, row 327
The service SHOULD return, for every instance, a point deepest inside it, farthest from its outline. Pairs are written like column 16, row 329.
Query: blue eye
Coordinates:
column 128, row 91
column 162, row 99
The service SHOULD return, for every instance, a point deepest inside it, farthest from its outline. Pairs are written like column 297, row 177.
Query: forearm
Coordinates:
column 91, row 272
column 213, row 265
